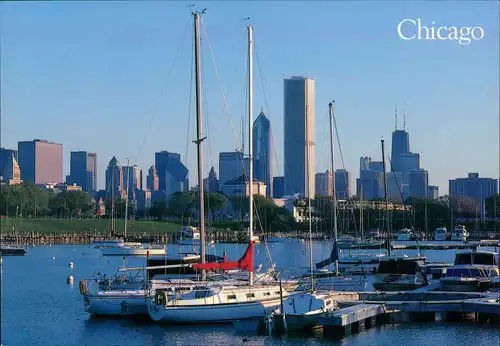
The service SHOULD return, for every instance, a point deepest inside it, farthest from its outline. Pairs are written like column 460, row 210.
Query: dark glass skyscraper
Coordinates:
column 262, row 154
column 400, row 145
column 173, row 176
column 83, row 170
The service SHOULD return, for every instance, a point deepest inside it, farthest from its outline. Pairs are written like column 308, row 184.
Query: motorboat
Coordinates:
column 100, row 243
column 459, row 233
column 6, row 250
column 472, row 271
column 404, row 234
column 134, row 249
column 400, row 274
column 302, row 310
column 440, row 234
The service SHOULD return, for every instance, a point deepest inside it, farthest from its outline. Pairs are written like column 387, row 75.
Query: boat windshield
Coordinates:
column 475, row 258
column 397, row 267
column 465, row 272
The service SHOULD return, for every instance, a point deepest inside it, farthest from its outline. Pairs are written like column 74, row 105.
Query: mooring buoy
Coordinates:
column 69, row 280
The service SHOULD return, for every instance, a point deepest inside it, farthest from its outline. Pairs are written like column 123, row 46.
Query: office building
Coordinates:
column 83, row 170
column 343, row 184
column 433, row 192
column 173, row 176
column 5, row 156
column 114, row 179
column 419, row 183
column 11, row 173
column 40, row 162
column 211, row 183
column 299, row 140
column 152, row 182
column 262, row 151
column 232, row 165
column 474, row 187
column 324, row 184
column 278, row 187
column 400, row 146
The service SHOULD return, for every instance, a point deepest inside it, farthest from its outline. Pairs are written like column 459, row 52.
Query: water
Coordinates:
column 39, row 308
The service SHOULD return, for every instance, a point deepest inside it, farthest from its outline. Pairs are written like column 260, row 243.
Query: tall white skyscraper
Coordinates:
column 299, row 128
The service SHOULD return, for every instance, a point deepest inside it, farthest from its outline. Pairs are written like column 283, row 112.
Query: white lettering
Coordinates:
column 441, row 33
column 399, row 29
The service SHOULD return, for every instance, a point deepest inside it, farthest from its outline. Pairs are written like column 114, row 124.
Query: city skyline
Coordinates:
column 442, row 98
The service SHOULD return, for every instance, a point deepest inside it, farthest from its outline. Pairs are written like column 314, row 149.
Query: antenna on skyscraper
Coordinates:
column 242, row 135
column 396, row 118
column 404, row 121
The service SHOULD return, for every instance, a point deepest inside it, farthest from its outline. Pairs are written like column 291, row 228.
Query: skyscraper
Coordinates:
column 40, row 161
column 299, row 138
column 114, row 178
column 278, row 187
column 132, row 178
column 400, row 145
column 343, row 184
column 83, row 170
column 211, row 183
column 5, row 156
column 11, row 174
column 433, row 192
column 324, row 184
column 152, row 182
column 173, row 176
column 232, row 165
column 262, row 154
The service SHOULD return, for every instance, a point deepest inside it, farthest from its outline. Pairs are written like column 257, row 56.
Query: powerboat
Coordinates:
column 459, row 233
column 405, row 234
column 134, row 249
column 302, row 310
column 6, row 250
column 100, row 243
column 472, row 271
column 440, row 234
column 400, row 274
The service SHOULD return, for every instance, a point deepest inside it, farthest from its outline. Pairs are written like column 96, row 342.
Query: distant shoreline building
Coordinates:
column 83, row 170
column 40, row 161
column 474, row 187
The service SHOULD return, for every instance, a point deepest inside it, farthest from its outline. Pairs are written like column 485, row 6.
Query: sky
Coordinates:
column 115, row 78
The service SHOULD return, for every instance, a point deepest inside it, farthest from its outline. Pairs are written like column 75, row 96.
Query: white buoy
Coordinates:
column 69, row 280
column 53, row 257
column 71, row 264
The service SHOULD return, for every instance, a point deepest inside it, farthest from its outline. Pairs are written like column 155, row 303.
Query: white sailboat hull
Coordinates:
column 132, row 251
column 216, row 313
column 124, row 304
column 301, row 322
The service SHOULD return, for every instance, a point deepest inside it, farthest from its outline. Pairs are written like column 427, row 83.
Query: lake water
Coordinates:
column 39, row 308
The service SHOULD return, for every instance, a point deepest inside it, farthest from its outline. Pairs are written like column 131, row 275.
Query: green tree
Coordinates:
column 158, row 210
column 492, row 205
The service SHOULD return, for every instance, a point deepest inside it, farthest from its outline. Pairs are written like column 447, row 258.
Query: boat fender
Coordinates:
column 83, row 288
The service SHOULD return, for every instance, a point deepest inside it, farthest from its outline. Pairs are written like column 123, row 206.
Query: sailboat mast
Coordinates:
column 126, row 201
column 199, row 138
column 361, row 221
column 250, row 140
column 113, row 201
column 386, row 203
column 308, row 194
column 334, row 194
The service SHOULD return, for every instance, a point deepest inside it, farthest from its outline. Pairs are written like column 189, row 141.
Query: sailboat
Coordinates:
column 302, row 311
column 128, row 248
column 223, row 302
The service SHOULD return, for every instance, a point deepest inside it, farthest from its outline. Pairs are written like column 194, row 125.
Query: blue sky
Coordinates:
column 114, row 78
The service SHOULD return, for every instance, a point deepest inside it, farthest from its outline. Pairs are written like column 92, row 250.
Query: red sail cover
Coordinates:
column 245, row 262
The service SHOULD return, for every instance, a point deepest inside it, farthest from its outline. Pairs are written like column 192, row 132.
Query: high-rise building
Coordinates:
column 408, row 162
column 400, row 145
column 83, row 170
column 232, row 165
column 211, row 183
column 11, row 174
column 474, row 187
column 278, row 187
column 132, row 178
column 419, row 183
column 152, row 182
column 299, row 135
column 40, row 162
column 394, row 186
column 343, row 184
column 367, row 164
column 114, row 178
column 262, row 153
column 367, row 185
column 173, row 176
column 433, row 192
column 324, row 184
column 5, row 156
